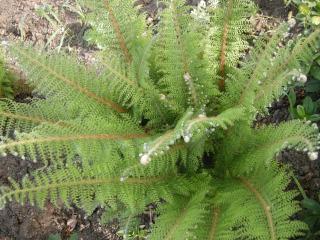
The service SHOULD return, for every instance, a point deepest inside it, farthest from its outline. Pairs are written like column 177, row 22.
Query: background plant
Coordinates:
column 134, row 129
column 310, row 84
column 61, row 30
column 308, row 11
column 308, row 110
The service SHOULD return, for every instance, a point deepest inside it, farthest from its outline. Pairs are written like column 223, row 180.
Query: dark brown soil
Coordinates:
column 28, row 222
column 18, row 20
column 275, row 8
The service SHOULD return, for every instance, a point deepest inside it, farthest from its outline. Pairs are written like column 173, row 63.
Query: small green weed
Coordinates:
column 307, row 111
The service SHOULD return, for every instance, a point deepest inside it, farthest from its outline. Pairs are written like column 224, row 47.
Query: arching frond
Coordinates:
column 123, row 33
column 265, row 206
column 179, row 58
column 146, row 101
column 227, row 38
column 94, row 185
column 241, row 82
column 179, row 218
column 51, row 142
column 63, row 78
column 270, row 70
column 22, row 117
column 190, row 128
column 264, row 143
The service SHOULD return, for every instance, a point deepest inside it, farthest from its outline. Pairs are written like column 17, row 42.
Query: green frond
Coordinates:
column 92, row 186
column 22, row 117
column 220, row 219
column 190, row 128
column 285, row 66
column 227, row 37
column 179, row 218
column 65, row 79
column 266, row 206
column 179, row 56
column 85, row 138
column 144, row 98
column 123, row 33
column 240, row 83
column 264, row 143
column 6, row 80
column 265, row 76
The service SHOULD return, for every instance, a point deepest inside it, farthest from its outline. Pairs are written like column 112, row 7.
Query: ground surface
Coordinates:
column 18, row 20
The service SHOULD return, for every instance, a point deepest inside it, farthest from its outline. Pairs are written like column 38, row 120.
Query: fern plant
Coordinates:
column 133, row 130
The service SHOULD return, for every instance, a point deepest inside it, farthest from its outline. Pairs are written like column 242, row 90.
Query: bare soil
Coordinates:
column 18, row 20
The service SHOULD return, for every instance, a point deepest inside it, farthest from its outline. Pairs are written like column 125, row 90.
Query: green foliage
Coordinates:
column 308, row 11
column 311, row 215
column 137, row 234
column 313, row 84
column 6, row 81
column 164, row 98
column 307, row 111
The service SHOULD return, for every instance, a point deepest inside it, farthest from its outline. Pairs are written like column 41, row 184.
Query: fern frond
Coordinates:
column 117, row 32
column 178, row 219
column 144, row 98
column 264, row 143
column 220, row 218
column 190, row 128
column 226, row 40
column 94, row 185
column 50, row 142
column 241, row 82
column 266, row 207
column 285, row 65
column 65, row 79
column 262, row 80
column 22, row 117
column 178, row 54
